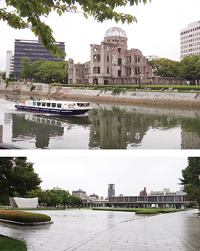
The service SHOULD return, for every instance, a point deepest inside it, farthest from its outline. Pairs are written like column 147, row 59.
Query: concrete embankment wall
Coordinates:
column 137, row 97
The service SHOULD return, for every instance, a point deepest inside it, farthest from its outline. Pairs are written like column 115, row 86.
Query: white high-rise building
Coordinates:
column 190, row 40
column 9, row 62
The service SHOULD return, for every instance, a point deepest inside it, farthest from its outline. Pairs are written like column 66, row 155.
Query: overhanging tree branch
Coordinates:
column 28, row 13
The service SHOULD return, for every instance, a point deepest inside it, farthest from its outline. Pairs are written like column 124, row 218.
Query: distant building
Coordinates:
column 34, row 50
column 190, row 40
column 111, row 190
column 150, row 57
column 9, row 63
column 111, row 63
column 94, row 197
column 57, row 188
column 181, row 191
column 80, row 194
column 166, row 191
column 143, row 192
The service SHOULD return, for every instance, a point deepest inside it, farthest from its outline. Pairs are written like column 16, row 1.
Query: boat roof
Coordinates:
column 55, row 101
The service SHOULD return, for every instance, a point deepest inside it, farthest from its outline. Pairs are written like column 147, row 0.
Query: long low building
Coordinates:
column 160, row 201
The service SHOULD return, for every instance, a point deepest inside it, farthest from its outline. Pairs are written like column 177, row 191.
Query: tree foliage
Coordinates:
column 25, row 14
column 165, row 67
column 26, row 70
column 17, row 176
column 188, row 68
column 55, row 197
column 191, row 179
column 48, row 71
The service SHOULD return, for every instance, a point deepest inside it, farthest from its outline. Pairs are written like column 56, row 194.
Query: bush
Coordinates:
column 141, row 210
column 147, row 211
column 24, row 217
column 163, row 211
column 117, row 209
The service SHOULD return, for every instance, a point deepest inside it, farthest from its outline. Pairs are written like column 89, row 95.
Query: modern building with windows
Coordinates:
column 111, row 63
column 34, row 50
column 111, row 190
column 190, row 40
column 9, row 63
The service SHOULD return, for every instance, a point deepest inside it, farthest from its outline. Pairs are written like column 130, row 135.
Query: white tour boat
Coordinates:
column 54, row 107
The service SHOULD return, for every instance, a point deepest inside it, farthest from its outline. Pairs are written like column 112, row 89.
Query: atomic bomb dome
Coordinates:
column 115, row 32
column 111, row 63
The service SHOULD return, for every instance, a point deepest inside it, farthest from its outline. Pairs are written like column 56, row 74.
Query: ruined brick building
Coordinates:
column 112, row 63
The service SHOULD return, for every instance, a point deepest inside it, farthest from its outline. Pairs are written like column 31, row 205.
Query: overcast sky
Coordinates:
column 157, row 31
column 92, row 171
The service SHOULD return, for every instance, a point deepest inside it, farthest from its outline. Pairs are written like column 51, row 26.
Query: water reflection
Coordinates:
column 106, row 127
column 43, row 127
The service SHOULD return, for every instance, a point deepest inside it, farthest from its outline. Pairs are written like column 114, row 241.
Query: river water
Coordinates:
column 106, row 126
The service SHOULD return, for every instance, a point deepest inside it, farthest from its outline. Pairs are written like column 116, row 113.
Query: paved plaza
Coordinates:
column 85, row 231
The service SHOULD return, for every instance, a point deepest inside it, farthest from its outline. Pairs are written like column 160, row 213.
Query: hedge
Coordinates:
column 140, row 210
column 24, row 217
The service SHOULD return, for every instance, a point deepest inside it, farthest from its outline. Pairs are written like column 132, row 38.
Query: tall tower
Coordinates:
column 111, row 190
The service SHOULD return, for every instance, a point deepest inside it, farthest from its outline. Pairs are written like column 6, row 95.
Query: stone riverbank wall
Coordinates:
column 135, row 97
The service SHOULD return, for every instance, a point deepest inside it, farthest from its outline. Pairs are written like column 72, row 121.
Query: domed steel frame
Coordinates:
column 115, row 32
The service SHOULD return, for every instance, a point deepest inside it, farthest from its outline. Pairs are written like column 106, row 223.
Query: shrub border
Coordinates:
column 26, row 224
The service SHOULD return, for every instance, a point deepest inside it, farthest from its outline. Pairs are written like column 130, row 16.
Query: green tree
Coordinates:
column 51, row 71
column 3, row 75
column 17, row 176
column 51, row 197
column 190, row 68
column 35, row 66
column 191, row 179
column 55, row 198
column 74, row 201
column 165, row 67
column 26, row 70
column 11, row 75
column 64, row 68
column 30, row 13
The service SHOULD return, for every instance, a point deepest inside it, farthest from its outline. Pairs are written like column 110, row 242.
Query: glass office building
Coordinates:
column 34, row 50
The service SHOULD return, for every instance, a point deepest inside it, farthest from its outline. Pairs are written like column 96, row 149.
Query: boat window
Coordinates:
column 48, row 104
column 53, row 104
column 34, row 103
column 43, row 104
column 38, row 103
column 59, row 105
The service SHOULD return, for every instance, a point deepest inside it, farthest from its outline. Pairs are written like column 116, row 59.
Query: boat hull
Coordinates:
column 52, row 111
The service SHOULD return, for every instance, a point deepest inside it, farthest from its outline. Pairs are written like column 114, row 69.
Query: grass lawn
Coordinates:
column 9, row 244
column 141, row 210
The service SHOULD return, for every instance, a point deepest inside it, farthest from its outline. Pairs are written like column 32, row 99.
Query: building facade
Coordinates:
column 143, row 192
column 9, row 63
column 190, row 40
column 34, row 50
column 111, row 63
column 158, row 201
column 80, row 194
column 111, row 190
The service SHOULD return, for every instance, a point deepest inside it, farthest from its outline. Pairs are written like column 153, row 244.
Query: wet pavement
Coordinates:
column 105, row 231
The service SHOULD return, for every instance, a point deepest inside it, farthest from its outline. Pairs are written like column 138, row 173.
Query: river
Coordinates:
column 106, row 126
